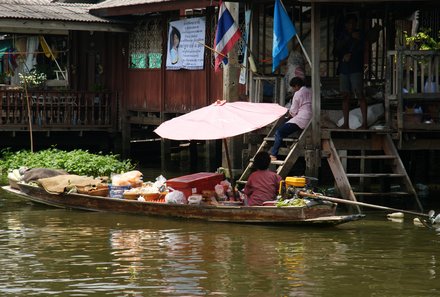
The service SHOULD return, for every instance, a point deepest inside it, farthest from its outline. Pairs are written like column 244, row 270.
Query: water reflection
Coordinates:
column 166, row 257
column 46, row 251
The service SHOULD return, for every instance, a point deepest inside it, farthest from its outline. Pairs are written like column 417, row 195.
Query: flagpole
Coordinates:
column 53, row 57
column 224, row 56
column 304, row 50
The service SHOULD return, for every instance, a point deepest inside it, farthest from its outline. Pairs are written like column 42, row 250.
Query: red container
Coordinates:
column 195, row 183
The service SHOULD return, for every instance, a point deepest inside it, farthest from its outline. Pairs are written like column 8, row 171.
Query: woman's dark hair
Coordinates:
column 174, row 31
column 262, row 160
column 296, row 81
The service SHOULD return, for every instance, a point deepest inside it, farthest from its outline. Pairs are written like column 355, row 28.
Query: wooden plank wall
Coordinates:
column 185, row 90
column 144, row 90
column 173, row 91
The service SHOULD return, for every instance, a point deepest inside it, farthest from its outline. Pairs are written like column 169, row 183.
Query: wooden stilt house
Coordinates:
column 123, row 86
column 372, row 162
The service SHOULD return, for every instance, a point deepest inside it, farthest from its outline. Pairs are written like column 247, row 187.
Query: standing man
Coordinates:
column 300, row 111
column 349, row 50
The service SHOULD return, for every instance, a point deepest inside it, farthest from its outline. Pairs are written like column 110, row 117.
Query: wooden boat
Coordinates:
column 320, row 214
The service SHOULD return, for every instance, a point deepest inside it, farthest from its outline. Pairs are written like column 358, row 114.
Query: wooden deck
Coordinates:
column 57, row 110
column 412, row 92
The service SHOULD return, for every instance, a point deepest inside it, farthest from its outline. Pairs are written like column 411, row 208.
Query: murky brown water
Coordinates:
column 54, row 252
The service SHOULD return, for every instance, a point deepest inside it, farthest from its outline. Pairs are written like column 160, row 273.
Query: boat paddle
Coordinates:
column 428, row 222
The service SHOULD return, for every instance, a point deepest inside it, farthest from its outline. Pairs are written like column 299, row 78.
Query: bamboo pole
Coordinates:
column 29, row 114
column 339, row 200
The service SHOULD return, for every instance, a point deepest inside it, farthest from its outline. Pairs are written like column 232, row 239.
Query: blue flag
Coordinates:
column 283, row 31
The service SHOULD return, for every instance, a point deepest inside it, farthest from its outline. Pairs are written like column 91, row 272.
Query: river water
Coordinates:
column 46, row 251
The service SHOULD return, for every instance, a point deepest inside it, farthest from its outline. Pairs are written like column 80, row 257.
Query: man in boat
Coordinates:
column 262, row 184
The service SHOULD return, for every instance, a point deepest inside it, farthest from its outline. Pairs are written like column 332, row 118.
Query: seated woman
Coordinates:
column 300, row 112
column 262, row 184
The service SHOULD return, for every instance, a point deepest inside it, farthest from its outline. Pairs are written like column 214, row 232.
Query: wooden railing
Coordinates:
column 60, row 110
column 413, row 89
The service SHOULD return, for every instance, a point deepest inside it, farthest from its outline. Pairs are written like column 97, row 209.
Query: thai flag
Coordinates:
column 226, row 36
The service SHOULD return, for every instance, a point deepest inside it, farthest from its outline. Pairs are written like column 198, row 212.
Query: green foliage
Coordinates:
column 295, row 202
column 422, row 41
column 79, row 162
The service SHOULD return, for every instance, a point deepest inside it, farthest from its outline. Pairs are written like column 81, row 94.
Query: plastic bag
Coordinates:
column 220, row 192
column 131, row 178
column 160, row 183
column 175, row 197
column 15, row 175
column 226, row 185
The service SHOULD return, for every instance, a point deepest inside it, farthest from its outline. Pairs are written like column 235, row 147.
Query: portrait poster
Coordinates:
column 185, row 44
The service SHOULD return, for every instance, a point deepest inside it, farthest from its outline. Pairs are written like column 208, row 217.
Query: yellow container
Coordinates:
column 295, row 181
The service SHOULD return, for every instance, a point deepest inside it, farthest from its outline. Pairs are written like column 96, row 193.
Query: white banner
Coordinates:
column 185, row 50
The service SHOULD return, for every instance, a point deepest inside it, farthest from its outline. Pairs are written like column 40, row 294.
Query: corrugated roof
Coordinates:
column 21, row 2
column 129, row 7
column 119, row 3
column 48, row 10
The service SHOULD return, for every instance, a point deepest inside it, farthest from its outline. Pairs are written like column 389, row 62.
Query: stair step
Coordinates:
column 241, row 182
column 369, row 157
column 277, row 162
column 373, row 175
column 382, row 194
column 284, row 139
column 283, row 151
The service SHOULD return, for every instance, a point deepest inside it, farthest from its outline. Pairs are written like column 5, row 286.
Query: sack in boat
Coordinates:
column 34, row 174
column 63, row 183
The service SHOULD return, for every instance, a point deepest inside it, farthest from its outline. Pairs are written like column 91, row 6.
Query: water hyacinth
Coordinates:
column 33, row 79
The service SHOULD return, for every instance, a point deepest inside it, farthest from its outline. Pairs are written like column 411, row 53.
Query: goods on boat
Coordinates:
column 131, row 178
column 14, row 177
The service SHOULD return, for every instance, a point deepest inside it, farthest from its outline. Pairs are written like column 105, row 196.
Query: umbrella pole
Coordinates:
column 228, row 160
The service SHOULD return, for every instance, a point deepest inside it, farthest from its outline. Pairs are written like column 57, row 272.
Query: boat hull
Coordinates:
column 317, row 215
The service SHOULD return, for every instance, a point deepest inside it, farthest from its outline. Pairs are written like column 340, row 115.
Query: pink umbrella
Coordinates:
column 221, row 120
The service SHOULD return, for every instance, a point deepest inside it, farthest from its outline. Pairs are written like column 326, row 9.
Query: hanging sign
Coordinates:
column 185, row 48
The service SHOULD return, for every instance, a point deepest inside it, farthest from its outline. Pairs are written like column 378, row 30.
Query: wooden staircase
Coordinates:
column 364, row 163
column 368, row 161
column 294, row 149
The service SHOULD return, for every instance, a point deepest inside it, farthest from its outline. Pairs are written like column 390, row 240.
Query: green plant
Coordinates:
column 79, row 162
column 33, row 79
column 422, row 41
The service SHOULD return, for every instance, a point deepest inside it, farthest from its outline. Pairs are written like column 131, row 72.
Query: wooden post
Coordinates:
column 211, row 162
column 165, row 144
column 231, row 73
column 315, row 159
column 193, row 155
